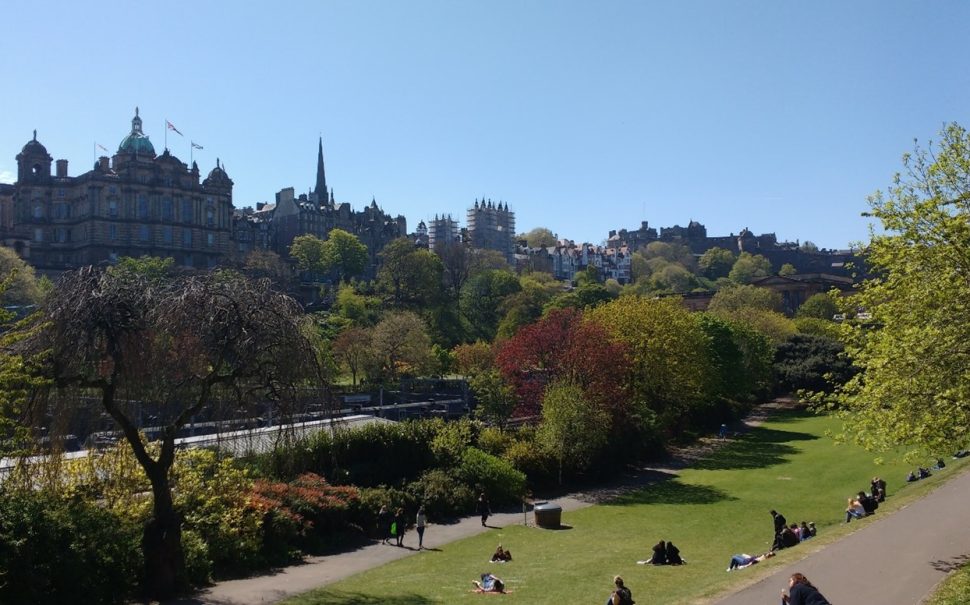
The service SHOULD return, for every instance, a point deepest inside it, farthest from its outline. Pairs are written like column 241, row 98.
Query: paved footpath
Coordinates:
column 895, row 560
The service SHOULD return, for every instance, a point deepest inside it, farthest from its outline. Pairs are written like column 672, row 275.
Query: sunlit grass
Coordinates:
column 719, row 507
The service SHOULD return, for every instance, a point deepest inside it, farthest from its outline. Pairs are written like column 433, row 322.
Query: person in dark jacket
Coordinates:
column 659, row 554
column 621, row 595
column 673, row 555
column 400, row 523
column 384, row 524
column 484, row 510
column 801, row 592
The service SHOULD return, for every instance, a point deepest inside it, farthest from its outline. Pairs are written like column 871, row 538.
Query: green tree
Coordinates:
column 914, row 385
column 494, row 398
column 813, row 363
column 482, row 298
column 21, row 287
column 639, row 267
column 572, row 431
column 787, row 269
column 819, row 306
column 352, row 349
column 268, row 264
column 525, row 306
column 409, row 277
column 749, row 267
column 399, row 344
column 540, row 237
column 736, row 298
column 716, row 262
column 345, row 254
column 310, row 254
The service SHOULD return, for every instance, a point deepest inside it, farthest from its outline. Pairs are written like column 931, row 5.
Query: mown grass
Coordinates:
column 954, row 590
column 717, row 508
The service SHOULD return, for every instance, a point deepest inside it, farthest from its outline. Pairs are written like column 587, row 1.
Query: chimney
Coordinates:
column 103, row 160
column 61, row 168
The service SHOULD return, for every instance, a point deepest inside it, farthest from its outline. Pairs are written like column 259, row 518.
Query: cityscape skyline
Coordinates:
column 778, row 118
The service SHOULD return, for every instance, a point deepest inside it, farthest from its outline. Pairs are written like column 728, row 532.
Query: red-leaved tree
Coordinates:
column 564, row 345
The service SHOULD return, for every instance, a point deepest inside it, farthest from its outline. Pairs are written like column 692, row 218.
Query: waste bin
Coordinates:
column 548, row 515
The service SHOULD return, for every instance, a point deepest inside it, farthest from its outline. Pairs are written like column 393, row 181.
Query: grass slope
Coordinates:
column 717, row 508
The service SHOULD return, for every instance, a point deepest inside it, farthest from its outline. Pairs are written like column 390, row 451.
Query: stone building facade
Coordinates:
column 134, row 204
column 492, row 227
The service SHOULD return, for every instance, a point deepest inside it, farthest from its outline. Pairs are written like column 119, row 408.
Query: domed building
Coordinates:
column 135, row 203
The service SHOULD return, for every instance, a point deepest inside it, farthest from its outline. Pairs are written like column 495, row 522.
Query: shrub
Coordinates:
column 198, row 567
column 526, row 457
column 496, row 477
column 442, row 494
column 451, row 440
column 65, row 551
column 364, row 511
column 495, row 441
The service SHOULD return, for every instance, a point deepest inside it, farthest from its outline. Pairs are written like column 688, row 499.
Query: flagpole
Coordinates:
column 166, row 134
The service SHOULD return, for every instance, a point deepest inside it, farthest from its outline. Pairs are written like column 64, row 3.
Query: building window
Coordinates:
column 210, row 239
column 167, row 234
column 113, row 256
column 60, row 194
column 167, row 213
column 187, row 238
column 143, row 233
column 210, row 217
column 113, row 232
column 142, row 206
column 38, row 235
column 188, row 260
column 38, row 211
column 187, row 214
column 113, row 208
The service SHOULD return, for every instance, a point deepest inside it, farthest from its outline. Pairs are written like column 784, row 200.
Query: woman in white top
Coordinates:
column 855, row 509
column 419, row 522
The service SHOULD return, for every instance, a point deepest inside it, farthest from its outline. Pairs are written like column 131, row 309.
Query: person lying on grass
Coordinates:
column 745, row 560
column 489, row 583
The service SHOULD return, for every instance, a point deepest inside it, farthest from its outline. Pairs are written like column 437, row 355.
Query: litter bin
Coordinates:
column 548, row 515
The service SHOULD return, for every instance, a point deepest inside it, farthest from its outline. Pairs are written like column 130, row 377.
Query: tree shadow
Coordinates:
column 673, row 491
column 952, row 564
column 759, row 448
column 327, row 597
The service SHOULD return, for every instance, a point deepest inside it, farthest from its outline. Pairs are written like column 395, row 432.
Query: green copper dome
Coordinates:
column 137, row 142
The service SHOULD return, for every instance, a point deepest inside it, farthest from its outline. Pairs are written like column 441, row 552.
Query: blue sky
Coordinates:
column 584, row 117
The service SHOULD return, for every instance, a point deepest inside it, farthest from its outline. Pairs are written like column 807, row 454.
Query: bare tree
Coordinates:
column 179, row 346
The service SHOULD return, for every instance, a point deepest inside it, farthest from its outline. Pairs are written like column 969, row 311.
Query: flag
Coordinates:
column 102, row 147
column 172, row 127
column 195, row 145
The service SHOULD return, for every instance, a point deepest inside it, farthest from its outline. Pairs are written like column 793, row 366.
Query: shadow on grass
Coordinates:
column 759, row 448
column 673, row 491
column 356, row 598
column 948, row 565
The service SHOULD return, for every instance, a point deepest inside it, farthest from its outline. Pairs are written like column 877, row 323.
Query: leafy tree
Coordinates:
column 359, row 309
column 787, row 269
column 444, row 360
column 21, row 283
column 474, row 358
column 584, row 297
column 399, row 343
column 573, row 430
column 914, row 385
column 639, row 267
column 409, row 277
column 540, row 237
column 672, row 278
column 749, row 267
column 495, row 399
column 216, row 343
column 457, row 260
column 562, row 345
column 345, row 254
column 808, row 246
column 667, row 351
column 268, row 264
column 716, row 262
column 672, row 253
column 525, row 306
column 819, row 306
column 813, row 363
column 588, row 276
column 818, row 327
column 482, row 297
column 310, row 254
column 737, row 298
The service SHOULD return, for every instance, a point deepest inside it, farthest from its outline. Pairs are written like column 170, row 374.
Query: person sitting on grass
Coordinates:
column 489, row 583
column 924, row 473
column 911, row 477
column 659, row 554
column 868, row 503
column 621, row 595
column 854, row 510
column 744, row 560
column 673, row 555
column 805, row 532
column 500, row 555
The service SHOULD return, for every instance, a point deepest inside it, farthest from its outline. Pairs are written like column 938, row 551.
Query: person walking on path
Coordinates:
column 420, row 521
column 400, row 523
column 801, row 592
column 484, row 510
column 384, row 524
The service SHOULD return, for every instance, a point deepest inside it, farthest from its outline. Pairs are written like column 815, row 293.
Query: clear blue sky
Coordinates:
column 773, row 115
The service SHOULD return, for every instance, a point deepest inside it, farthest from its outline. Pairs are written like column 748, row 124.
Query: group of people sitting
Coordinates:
column 919, row 473
column 861, row 506
column 501, row 555
column 664, row 553
column 786, row 535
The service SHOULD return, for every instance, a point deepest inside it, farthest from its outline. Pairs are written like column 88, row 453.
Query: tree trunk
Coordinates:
column 165, row 575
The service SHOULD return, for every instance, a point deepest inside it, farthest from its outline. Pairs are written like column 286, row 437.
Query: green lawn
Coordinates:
column 719, row 507
column 954, row 590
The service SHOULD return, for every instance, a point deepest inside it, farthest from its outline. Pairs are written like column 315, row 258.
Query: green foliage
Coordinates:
column 21, row 285
column 818, row 327
column 481, row 300
column 345, row 254
column 399, row 344
column 361, row 310
column 409, row 277
column 494, row 398
column 533, row 461
column 474, row 358
column 442, row 494
column 586, row 296
column 310, row 254
column 540, row 237
column 151, row 268
column 572, row 431
column 787, row 269
column 737, row 298
column 818, row 306
column 749, row 267
column 954, row 589
column 813, row 363
column 494, row 440
column 914, row 383
column 451, row 440
column 716, row 262
column 494, row 476
column 65, row 551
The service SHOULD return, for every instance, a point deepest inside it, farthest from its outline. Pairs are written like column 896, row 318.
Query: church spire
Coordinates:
column 321, row 188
